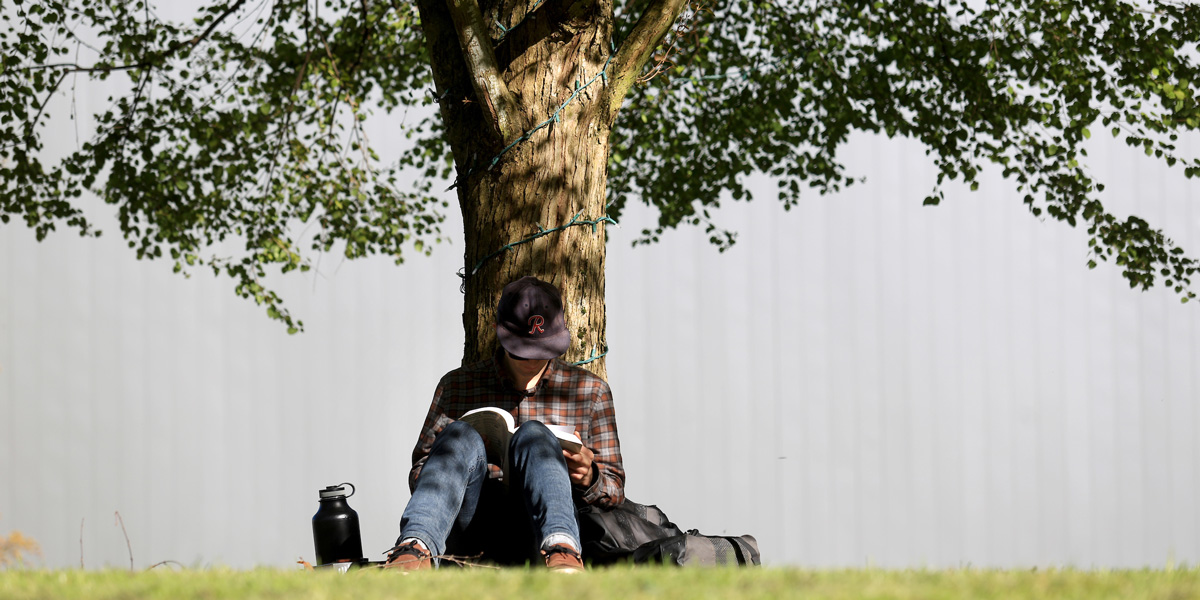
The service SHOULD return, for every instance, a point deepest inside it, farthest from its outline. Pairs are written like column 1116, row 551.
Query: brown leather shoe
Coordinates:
column 563, row 558
column 409, row 556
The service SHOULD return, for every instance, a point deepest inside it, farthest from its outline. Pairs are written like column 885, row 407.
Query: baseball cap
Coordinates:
column 529, row 320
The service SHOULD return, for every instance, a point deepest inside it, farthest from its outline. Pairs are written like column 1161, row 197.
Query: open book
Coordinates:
column 497, row 427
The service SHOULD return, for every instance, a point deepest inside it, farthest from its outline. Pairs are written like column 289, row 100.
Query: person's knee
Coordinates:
column 535, row 441
column 534, row 432
column 459, row 437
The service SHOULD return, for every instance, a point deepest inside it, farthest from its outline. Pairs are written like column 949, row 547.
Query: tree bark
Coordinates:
column 557, row 175
column 533, row 197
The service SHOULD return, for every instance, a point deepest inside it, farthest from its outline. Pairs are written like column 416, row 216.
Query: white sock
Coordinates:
column 555, row 539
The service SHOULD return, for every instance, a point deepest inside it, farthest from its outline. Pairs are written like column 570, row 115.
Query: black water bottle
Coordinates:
column 335, row 527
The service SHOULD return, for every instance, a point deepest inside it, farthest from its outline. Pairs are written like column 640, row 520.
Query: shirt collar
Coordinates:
column 504, row 381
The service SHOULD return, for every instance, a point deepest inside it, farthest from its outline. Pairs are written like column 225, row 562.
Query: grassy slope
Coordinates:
column 619, row 583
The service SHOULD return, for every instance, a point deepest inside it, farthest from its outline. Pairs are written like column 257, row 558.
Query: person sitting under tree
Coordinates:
column 463, row 506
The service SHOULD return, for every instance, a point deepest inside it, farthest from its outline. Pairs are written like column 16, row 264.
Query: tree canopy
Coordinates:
column 241, row 128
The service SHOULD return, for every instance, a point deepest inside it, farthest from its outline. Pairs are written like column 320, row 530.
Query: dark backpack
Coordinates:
column 644, row 534
column 694, row 549
column 612, row 534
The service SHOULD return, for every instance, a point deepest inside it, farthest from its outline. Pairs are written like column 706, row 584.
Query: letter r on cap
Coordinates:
column 536, row 321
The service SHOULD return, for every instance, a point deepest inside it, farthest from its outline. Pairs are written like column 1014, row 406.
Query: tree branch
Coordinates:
column 212, row 26
column 495, row 99
column 77, row 68
column 636, row 50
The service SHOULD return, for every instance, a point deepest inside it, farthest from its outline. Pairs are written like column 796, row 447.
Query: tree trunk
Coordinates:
column 554, row 180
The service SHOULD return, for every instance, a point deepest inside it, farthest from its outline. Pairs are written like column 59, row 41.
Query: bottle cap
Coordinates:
column 336, row 491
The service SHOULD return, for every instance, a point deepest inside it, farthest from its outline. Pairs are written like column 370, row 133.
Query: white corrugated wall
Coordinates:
column 861, row 380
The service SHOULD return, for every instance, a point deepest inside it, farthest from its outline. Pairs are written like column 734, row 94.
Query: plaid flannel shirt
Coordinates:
column 565, row 395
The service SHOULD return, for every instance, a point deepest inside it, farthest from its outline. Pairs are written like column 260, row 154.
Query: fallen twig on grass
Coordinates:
column 121, row 522
column 457, row 561
column 166, row 562
column 462, row 561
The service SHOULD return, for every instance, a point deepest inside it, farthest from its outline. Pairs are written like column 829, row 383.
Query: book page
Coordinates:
column 494, row 429
column 566, row 437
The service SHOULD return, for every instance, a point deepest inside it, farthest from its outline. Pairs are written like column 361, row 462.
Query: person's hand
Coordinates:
column 579, row 466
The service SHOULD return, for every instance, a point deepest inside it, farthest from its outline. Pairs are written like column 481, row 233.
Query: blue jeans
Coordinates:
column 455, row 507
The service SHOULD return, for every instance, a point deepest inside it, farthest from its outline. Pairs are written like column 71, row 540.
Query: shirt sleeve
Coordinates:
column 608, row 483
column 435, row 421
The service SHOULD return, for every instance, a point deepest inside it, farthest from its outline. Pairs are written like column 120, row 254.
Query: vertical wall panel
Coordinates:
column 8, row 409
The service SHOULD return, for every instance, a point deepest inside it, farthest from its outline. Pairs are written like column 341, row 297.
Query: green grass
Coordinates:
column 621, row 583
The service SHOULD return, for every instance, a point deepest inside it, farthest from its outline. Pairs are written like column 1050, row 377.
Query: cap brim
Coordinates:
column 541, row 348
